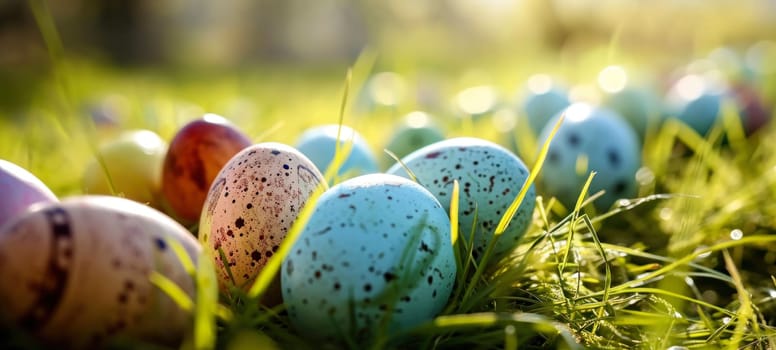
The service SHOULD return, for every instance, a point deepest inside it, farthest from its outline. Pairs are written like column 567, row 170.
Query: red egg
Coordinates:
column 196, row 155
column 754, row 112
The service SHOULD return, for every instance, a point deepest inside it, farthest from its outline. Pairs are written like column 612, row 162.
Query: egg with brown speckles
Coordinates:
column 76, row 274
column 250, row 207
column 490, row 177
column 196, row 154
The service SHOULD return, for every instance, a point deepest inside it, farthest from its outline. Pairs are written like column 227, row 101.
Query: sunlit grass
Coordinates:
column 689, row 263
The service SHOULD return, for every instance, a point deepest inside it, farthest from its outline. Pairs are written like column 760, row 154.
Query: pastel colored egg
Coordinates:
column 129, row 166
column 20, row 189
column 490, row 177
column 542, row 98
column 250, row 207
column 319, row 144
column 77, row 274
column 376, row 251
column 591, row 139
column 415, row 131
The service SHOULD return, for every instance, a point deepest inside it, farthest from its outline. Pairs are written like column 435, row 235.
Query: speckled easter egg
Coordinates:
column 252, row 203
column 490, row 178
column 19, row 189
column 196, row 154
column 319, row 144
column 77, row 274
column 376, row 248
column 591, row 139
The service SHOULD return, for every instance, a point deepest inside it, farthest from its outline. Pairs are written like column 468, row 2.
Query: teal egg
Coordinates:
column 696, row 101
column 542, row 99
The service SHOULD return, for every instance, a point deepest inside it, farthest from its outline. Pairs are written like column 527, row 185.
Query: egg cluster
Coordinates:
column 376, row 253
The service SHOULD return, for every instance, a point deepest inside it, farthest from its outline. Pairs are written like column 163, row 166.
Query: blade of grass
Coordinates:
column 510, row 212
column 607, row 272
column 206, row 307
column 269, row 271
column 512, row 209
column 574, row 217
column 172, row 290
column 454, row 213
column 745, row 312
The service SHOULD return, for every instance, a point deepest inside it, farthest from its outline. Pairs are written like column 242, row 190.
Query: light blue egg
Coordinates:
column 489, row 176
column 590, row 139
column 639, row 106
column 542, row 99
column 696, row 100
column 319, row 143
column 376, row 248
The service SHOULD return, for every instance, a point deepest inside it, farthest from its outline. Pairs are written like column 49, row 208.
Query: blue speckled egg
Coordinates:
column 318, row 144
column 541, row 100
column 377, row 247
column 490, row 177
column 591, row 139
column 696, row 101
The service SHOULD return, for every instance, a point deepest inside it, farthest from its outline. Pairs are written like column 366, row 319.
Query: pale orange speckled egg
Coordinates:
column 76, row 274
column 250, row 207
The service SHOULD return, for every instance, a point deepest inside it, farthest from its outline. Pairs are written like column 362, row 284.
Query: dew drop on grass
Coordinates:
column 703, row 255
column 645, row 176
column 666, row 214
column 736, row 234
column 676, row 347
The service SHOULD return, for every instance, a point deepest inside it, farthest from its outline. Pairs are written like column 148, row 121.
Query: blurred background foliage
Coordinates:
column 271, row 65
column 226, row 34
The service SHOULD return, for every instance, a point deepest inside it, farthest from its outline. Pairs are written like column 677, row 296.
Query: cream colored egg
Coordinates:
column 250, row 207
column 77, row 273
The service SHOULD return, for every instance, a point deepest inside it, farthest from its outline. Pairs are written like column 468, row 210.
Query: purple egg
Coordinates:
column 19, row 189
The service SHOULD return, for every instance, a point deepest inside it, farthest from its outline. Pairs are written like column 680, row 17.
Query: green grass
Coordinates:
column 654, row 272
column 689, row 263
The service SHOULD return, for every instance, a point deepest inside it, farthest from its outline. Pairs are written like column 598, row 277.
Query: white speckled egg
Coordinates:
column 376, row 246
column 19, row 189
column 591, row 139
column 251, row 204
column 319, row 143
column 76, row 273
column 490, row 177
